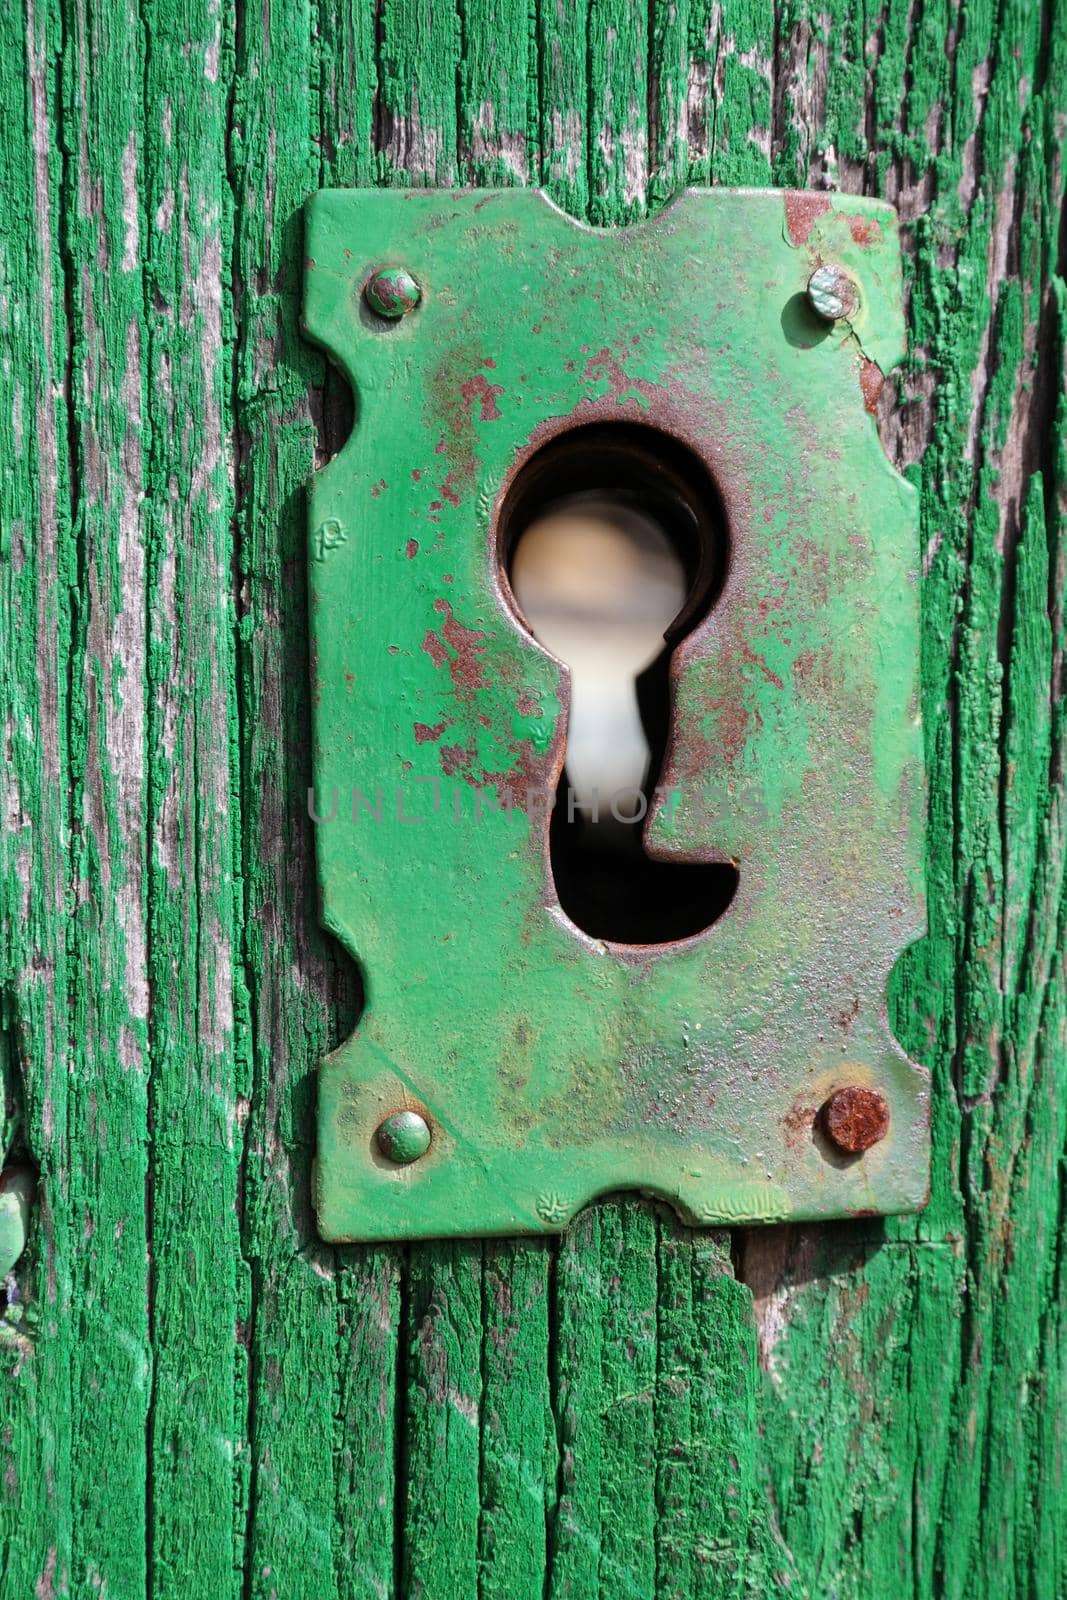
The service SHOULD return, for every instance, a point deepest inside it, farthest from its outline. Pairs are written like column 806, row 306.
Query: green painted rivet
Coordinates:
column 404, row 1137
column 392, row 293
column 17, row 1187
column 832, row 294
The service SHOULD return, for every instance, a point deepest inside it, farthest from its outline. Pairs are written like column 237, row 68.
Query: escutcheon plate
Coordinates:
column 549, row 1067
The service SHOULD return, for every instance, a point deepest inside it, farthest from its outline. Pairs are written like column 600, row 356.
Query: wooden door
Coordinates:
column 198, row 1398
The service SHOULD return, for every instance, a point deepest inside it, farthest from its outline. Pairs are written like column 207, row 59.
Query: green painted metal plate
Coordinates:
column 549, row 1067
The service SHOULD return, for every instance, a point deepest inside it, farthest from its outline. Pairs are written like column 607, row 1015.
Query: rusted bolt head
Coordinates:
column 392, row 293
column 832, row 295
column 403, row 1137
column 856, row 1118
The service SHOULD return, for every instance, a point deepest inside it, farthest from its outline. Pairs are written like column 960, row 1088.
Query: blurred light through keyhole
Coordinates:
column 614, row 540
column 599, row 583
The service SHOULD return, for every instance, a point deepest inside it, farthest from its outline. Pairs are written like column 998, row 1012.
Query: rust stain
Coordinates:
column 411, row 549
column 866, row 231
column 766, row 603
column 479, row 388
column 468, row 670
column 606, row 366
column 732, row 729
column 802, row 212
column 752, row 659
column 872, row 380
column 847, row 1017
column 457, row 399
column 530, row 785
column 460, row 649
column 428, row 732
column 799, row 1123
column 455, row 759
column 812, row 557
column 435, row 649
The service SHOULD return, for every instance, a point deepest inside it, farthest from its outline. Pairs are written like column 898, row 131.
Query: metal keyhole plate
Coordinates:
column 509, row 1068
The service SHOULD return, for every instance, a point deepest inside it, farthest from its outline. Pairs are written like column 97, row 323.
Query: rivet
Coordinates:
column 392, row 292
column 832, row 295
column 855, row 1119
column 404, row 1137
column 17, row 1188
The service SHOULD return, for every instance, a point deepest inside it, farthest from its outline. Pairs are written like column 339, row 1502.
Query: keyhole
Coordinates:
column 615, row 542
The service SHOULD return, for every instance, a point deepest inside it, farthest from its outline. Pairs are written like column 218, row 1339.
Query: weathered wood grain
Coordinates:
column 299, row 1334
column 36, row 560
column 199, row 1072
column 197, row 1397
column 91, row 1079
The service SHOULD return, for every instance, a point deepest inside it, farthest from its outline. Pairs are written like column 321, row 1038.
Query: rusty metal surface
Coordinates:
column 856, row 1119
column 548, row 1066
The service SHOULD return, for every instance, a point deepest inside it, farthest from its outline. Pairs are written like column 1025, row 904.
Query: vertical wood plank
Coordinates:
column 517, row 1443
column 366, row 1465
column 564, row 102
column 418, row 63
column 301, row 991
column 708, row 1487
column 702, row 33
column 368, row 1281
column 442, row 1440
column 519, row 1449
column 668, row 106
column 442, row 1330
column 199, row 1022
column 740, row 91
column 618, row 111
column 347, row 79
column 611, row 1397
column 937, row 1324
column 101, row 115
column 493, row 95
column 37, row 560
column 576, row 1386
column 627, row 1386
